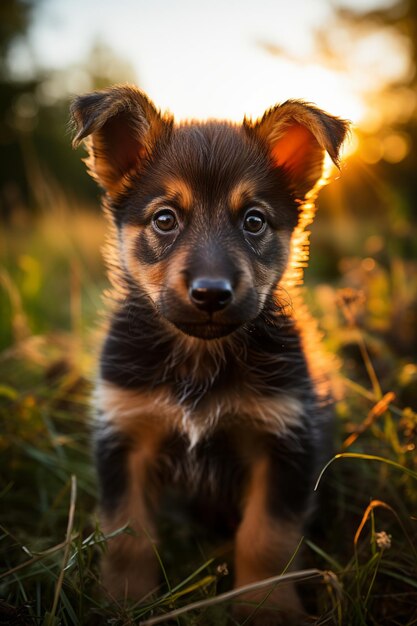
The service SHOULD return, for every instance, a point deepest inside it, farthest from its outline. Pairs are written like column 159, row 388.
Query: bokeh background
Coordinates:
column 354, row 58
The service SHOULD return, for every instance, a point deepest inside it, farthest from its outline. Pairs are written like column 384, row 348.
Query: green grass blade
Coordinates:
column 364, row 457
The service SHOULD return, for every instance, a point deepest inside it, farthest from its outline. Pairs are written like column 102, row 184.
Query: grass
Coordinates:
column 361, row 552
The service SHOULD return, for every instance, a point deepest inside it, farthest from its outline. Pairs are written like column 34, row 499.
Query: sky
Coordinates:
column 207, row 59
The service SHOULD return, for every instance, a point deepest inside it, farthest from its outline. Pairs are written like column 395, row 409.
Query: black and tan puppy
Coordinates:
column 204, row 380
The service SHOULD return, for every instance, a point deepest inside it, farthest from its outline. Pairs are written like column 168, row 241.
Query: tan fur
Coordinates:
column 275, row 415
column 137, row 412
column 152, row 278
column 120, row 571
column 179, row 190
column 173, row 273
column 130, row 567
column 264, row 547
column 241, row 193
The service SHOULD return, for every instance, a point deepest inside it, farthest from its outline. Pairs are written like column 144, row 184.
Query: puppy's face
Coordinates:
column 204, row 211
column 205, row 228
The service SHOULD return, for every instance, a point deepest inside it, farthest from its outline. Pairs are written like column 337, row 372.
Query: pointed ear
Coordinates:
column 297, row 135
column 122, row 126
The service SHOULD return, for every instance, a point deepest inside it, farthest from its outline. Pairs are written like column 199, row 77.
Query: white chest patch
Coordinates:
column 133, row 412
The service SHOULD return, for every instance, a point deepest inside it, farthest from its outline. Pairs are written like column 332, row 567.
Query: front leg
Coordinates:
column 129, row 567
column 274, row 508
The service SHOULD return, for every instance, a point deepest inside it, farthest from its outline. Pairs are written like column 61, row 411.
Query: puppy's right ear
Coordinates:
column 122, row 126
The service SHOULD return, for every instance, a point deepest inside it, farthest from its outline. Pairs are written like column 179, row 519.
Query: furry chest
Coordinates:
column 160, row 414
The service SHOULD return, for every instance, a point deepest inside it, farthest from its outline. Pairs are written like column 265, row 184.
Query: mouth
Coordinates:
column 208, row 330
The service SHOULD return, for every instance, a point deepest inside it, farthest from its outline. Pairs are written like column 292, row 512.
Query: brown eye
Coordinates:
column 165, row 221
column 254, row 222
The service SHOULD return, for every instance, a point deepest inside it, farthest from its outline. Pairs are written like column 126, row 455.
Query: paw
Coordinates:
column 133, row 581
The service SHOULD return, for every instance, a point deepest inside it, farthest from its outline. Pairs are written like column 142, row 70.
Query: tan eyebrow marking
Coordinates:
column 177, row 189
column 240, row 194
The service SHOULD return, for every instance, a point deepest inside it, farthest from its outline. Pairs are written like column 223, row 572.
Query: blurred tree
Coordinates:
column 36, row 160
column 373, row 240
column 51, row 135
column 366, row 228
column 388, row 138
column 377, row 50
column 15, row 17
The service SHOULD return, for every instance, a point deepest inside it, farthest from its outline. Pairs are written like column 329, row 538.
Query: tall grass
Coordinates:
column 361, row 551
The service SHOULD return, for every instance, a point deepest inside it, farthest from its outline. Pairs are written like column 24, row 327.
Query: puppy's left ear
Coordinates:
column 297, row 135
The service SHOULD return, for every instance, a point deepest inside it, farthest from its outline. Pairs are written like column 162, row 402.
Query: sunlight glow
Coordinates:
column 257, row 86
column 230, row 60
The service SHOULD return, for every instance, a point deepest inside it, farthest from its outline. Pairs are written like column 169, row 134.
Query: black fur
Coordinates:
column 274, row 363
column 111, row 452
column 209, row 175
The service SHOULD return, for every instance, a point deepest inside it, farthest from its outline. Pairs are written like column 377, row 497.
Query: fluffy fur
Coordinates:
column 205, row 385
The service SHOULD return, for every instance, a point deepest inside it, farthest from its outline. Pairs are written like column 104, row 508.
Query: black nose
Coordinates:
column 210, row 294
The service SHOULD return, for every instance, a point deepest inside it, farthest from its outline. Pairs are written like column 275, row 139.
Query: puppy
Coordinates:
column 205, row 384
